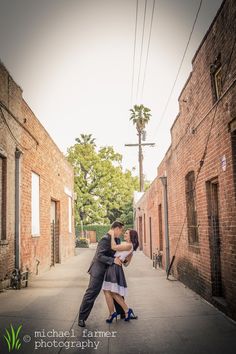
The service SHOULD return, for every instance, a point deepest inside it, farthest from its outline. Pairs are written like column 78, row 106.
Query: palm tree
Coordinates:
column 140, row 115
column 86, row 139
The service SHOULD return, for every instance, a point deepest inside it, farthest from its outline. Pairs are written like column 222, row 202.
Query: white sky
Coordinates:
column 73, row 60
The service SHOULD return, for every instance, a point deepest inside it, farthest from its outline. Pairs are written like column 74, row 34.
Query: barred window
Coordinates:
column 216, row 79
column 191, row 208
column 3, row 197
column 70, row 214
column 35, row 209
column 218, row 82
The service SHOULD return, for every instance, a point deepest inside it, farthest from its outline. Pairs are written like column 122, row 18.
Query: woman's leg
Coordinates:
column 120, row 301
column 109, row 301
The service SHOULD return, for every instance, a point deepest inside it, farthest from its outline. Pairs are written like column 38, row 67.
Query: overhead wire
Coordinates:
column 148, row 48
column 12, row 134
column 141, row 51
column 179, row 69
column 134, row 52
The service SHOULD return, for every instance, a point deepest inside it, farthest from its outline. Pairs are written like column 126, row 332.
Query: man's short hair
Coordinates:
column 117, row 224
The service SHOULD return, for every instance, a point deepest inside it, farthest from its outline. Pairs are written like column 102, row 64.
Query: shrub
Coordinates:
column 81, row 242
column 101, row 230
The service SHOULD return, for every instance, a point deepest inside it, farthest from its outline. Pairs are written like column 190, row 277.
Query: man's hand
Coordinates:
column 118, row 261
column 128, row 260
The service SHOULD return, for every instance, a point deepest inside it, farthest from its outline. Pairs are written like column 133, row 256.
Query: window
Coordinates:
column 191, row 208
column 216, row 78
column 70, row 214
column 232, row 128
column 3, row 197
column 35, row 212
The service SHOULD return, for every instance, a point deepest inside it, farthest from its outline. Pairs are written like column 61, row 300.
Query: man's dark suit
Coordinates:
column 104, row 257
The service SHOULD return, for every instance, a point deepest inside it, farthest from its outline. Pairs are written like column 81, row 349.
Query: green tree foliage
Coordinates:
column 104, row 191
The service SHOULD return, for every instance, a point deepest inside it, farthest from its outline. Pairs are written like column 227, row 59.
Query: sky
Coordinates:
column 74, row 61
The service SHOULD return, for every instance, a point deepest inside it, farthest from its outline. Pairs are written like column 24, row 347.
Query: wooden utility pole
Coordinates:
column 140, row 158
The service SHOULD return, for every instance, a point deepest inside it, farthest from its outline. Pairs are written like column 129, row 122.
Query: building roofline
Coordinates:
column 185, row 85
column 9, row 74
column 34, row 116
column 45, row 130
column 207, row 32
column 196, row 54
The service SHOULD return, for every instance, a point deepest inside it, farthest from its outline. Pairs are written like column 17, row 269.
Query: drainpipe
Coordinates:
column 164, row 183
column 17, row 208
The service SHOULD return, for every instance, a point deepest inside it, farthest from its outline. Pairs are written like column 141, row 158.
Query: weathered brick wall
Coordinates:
column 147, row 208
column 189, row 136
column 8, row 91
column 56, row 175
column 199, row 115
column 42, row 156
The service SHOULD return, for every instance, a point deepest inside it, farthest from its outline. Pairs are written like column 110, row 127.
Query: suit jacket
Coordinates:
column 103, row 257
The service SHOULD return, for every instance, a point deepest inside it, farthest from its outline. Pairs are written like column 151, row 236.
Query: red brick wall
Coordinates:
column 189, row 136
column 56, row 175
column 42, row 156
column 7, row 150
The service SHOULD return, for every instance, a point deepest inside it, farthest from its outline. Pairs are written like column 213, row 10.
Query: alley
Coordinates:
column 172, row 318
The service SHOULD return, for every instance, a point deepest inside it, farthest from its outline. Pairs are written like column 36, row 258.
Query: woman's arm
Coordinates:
column 123, row 247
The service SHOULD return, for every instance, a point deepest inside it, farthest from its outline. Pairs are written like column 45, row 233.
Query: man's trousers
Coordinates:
column 94, row 288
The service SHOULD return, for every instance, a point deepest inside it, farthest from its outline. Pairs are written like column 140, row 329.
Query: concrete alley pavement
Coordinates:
column 172, row 319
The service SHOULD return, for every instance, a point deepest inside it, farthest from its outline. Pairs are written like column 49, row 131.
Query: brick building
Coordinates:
column 36, row 189
column 196, row 221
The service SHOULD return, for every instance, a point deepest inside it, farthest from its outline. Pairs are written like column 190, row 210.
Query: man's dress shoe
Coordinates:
column 81, row 323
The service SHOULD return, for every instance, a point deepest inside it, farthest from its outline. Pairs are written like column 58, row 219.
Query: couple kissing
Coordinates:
column 106, row 272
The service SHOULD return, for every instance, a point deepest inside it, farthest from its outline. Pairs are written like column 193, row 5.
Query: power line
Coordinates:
column 2, row 105
column 135, row 40
column 8, row 127
column 12, row 134
column 141, row 52
column 180, row 66
column 149, row 40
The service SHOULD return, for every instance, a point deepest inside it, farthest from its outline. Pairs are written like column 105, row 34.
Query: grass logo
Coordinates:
column 12, row 339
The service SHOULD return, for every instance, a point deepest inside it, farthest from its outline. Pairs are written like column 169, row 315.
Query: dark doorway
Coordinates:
column 160, row 227
column 233, row 141
column 215, row 240
column 150, row 231
column 54, row 233
column 140, row 229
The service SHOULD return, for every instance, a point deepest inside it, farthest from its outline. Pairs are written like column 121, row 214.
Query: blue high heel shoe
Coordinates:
column 111, row 318
column 130, row 314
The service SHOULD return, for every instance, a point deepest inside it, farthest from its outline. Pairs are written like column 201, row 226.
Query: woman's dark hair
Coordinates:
column 134, row 238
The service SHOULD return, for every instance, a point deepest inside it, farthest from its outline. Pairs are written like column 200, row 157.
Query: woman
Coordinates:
column 114, row 284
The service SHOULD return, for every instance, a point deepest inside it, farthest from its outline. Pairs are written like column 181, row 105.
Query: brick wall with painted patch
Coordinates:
column 204, row 133
column 46, row 182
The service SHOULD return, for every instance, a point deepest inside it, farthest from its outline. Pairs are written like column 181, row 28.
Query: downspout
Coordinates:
column 164, row 183
column 17, row 208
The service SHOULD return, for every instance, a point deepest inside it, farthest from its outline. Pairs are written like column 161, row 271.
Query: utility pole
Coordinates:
column 140, row 158
column 140, row 116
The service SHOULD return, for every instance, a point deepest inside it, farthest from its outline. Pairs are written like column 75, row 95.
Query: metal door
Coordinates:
column 54, row 234
column 215, row 239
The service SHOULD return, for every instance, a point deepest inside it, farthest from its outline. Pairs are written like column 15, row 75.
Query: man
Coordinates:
column 104, row 257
